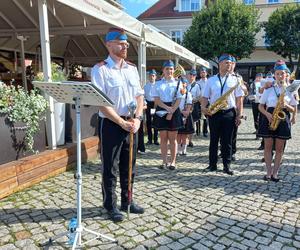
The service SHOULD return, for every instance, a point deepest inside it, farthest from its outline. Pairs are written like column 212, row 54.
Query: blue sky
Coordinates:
column 136, row 7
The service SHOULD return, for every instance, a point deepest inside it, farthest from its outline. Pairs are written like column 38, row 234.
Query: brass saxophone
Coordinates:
column 278, row 114
column 221, row 103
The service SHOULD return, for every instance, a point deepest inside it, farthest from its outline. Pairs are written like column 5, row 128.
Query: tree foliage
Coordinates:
column 283, row 32
column 225, row 26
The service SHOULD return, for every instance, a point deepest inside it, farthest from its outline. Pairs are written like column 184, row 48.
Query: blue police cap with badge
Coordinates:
column 226, row 57
column 280, row 65
column 259, row 75
column 193, row 72
column 168, row 63
column 115, row 34
column 152, row 72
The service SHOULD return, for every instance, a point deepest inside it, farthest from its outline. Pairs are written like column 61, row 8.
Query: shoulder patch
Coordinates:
column 130, row 63
column 101, row 63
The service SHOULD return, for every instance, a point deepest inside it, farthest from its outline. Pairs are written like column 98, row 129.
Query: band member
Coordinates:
column 275, row 123
column 219, row 89
column 265, row 84
column 185, row 106
column 149, row 88
column 256, row 95
column 119, row 80
column 238, row 78
column 202, row 83
column 195, row 91
column 167, row 98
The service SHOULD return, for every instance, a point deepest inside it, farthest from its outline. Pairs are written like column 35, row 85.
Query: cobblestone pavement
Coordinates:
column 185, row 208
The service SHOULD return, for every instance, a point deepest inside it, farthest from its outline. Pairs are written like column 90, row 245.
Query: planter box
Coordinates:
column 89, row 122
column 10, row 146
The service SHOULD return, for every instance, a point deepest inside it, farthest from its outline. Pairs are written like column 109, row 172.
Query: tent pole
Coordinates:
column 46, row 58
column 142, row 61
column 24, row 80
column 15, row 61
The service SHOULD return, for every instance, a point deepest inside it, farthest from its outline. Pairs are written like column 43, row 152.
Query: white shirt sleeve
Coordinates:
column 264, row 97
column 139, row 90
column 206, row 91
column 97, row 78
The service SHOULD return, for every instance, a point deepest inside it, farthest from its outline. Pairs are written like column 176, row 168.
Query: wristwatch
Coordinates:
column 140, row 117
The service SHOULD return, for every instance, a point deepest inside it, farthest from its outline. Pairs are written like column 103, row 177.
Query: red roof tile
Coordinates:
column 163, row 9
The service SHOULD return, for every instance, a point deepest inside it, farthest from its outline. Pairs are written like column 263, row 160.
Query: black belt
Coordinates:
column 225, row 111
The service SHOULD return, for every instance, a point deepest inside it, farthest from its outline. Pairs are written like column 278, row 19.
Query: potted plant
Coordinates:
column 22, row 111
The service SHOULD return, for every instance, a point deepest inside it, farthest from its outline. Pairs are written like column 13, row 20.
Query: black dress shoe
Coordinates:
column 266, row 178
column 149, row 143
column 134, row 208
column 227, row 171
column 233, row 158
column 274, row 179
column 261, row 147
column 115, row 215
column 210, row 169
column 172, row 167
column 191, row 144
column 205, row 135
column 156, row 143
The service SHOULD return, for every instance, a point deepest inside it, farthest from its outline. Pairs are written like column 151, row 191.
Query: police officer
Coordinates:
column 221, row 124
column 149, row 88
column 119, row 80
column 202, row 83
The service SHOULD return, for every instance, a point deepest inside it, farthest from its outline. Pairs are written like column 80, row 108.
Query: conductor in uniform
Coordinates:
column 221, row 124
column 119, row 80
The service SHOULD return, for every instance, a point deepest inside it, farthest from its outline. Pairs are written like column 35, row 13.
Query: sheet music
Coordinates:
column 65, row 92
column 294, row 86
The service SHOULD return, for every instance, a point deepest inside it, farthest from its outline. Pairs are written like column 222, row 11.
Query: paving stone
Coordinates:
column 199, row 246
column 8, row 247
column 176, row 246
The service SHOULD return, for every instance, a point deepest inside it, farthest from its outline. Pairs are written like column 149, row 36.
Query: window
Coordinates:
column 249, row 1
column 273, row 1
column 190, row 5
column 176, row 36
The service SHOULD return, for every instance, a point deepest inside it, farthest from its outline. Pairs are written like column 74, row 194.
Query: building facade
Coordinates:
column 174, row 17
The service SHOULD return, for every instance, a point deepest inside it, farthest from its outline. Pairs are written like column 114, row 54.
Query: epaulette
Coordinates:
column 130, row 63
column 101, row 63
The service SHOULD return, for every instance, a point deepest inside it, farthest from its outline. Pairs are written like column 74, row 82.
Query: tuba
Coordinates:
column 221, row 103
column 278, row 114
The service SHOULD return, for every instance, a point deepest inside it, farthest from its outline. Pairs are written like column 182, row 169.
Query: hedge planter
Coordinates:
column 12, row 140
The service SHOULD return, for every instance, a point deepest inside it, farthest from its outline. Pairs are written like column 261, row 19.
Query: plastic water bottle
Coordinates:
column 72, row 230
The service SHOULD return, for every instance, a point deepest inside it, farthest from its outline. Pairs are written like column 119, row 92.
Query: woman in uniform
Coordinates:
column 185, row 107
column 167, row 118
column 282, row 133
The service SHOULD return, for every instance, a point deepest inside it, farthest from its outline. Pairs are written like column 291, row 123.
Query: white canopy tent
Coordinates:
column 75, row 32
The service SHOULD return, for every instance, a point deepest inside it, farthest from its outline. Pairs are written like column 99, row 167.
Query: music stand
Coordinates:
column 79, row 93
